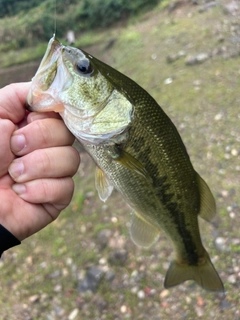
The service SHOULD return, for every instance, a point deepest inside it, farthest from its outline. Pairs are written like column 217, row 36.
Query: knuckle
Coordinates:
column 63, row 195
column 43, row 131
column 46, row 160
column 75, row 160
column 45, row 189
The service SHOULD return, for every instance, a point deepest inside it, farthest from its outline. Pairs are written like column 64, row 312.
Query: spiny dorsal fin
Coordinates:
column 208, row 205
column 103, row 185
column 142, row 232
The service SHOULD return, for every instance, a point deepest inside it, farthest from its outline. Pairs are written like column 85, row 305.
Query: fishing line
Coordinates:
column 55, row 19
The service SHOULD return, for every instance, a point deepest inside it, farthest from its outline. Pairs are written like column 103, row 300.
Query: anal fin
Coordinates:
column 142, row 232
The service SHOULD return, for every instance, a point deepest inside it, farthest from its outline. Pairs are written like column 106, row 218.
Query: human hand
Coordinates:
column 37, row 163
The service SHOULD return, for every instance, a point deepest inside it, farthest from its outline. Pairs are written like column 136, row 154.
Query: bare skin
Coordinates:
column 37, row 162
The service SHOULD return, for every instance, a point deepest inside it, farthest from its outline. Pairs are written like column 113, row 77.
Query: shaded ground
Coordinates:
column 84, row 265
column 20, row 73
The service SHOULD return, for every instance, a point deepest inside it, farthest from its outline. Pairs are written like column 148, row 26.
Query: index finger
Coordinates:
column 12, row 101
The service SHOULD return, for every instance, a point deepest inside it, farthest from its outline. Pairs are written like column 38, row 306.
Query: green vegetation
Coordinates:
column 34, row 21
column 102, row 13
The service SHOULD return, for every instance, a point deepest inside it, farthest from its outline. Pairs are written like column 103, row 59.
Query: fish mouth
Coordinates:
column 50, row 79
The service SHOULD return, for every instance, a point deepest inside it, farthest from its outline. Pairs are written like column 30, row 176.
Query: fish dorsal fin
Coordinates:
column 142, row 232
column 103, row 185
column 208, row 205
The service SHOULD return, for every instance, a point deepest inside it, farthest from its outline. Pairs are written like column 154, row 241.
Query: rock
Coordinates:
column 168, row 80
column 190, row 61
column 92, row 279
column 219, row 116
column 33, row 299
column 114, row 219
column 103, row 237
column 123, row 309
column 231, row 7
column 164, row 294
column 69, row 261
column 221, row 244
column 234, row 152
column 181, row 53
column 200, row 301
column 141, row 294
column 109, row 276
column 48, row 317
column 232, row 215
column 173, row 57
column 199, row 311
column 99, row 302
column 117, row 242
column 207, row 6
column 102, row 261
column 55, row 274
column 73, row 314
column 220, row 38
column 199, row 58
column 232, row 279
column 219, row 51
column 57, row 288
column 59, row 311
column 197, row 83
column 134, row 290
column 89, row 195
column 225, row 304
column 118, row 257
column 110, row 43
column 174, row 5
column 29, row 260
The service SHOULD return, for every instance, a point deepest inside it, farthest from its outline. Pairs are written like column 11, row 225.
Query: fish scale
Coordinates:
column 138, row 151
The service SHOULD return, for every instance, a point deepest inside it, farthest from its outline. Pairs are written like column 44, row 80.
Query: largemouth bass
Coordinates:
column 138, row 151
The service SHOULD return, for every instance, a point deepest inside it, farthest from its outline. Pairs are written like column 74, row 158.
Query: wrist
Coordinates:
column 7, row 240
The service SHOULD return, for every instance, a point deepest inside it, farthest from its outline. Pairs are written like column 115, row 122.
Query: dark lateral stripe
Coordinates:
column 163, row 190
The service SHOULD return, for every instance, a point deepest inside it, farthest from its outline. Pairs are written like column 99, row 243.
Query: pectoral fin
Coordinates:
column 103, row 185
column 208, row 205
column 128, row 161
column 142, row 232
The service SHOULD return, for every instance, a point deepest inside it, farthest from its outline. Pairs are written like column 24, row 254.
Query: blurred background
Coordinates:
column 186, row 54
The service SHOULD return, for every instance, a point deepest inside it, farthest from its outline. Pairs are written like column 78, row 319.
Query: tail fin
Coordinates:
column 205, row 275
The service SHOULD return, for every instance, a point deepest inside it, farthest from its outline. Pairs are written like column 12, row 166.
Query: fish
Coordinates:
column 137, row 150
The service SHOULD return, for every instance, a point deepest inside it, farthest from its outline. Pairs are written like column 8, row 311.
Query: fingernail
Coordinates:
column 19, row 188
column 18, row 143
column 15, row 169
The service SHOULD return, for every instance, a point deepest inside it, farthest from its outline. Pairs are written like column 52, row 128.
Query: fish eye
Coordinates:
column 84, row 66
